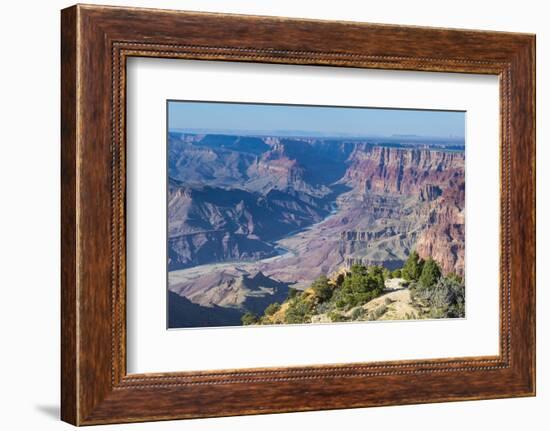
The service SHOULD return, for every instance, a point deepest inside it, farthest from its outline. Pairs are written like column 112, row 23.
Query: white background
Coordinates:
column 151, row 348
column 29, row 217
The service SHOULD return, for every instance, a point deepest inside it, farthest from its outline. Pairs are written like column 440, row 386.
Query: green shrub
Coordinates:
column 339, row 279
column 360, row 286
column 249, row 318
column 378, row 312
column 445, row 299
column 396, row 273
column 357, row 313
column 378, row 273
column 337, row 317
column 324, row 307
column 272, row 308
column 413, row 267
column 431, row 272
column 454, row 277
column 299, row 311
column 322, row 289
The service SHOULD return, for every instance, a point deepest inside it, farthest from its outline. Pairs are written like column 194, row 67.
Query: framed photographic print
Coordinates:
column 321, row 214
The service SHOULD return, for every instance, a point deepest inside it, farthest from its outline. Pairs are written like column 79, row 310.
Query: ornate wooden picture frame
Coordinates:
column 96, row 41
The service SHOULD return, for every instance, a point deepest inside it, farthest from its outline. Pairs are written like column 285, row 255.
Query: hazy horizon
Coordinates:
column 306, row 134
column 305, row 120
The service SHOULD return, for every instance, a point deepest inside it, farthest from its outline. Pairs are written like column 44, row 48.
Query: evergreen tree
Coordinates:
column 360, row 286
column 299, row 311
column 378, row 275
column 454, row 277
column 431, row 272
column 340, row 280
column 396, row 273
column 321, row 287
column 413, row 267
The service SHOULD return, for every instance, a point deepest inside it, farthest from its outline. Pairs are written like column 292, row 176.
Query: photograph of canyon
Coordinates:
column 299, row 214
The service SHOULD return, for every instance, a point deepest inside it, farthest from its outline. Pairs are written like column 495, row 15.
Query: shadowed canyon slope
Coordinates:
column 249, row 217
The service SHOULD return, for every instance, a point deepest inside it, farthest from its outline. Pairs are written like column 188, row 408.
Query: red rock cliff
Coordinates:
column 403, row 171
column 436, row 179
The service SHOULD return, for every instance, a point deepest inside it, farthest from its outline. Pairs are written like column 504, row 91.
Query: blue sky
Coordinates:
column 242, row 117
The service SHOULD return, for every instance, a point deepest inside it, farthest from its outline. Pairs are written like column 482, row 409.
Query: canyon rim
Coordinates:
column 296, row 214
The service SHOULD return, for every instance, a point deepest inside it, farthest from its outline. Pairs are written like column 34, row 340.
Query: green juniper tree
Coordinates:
column 413, row 267
column 360, row 286
column 431, row 272
column 299, row 311
column 396, row 273
column 322, row 288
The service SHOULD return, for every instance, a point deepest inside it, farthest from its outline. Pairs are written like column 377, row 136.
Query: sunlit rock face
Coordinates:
column 436, row 178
